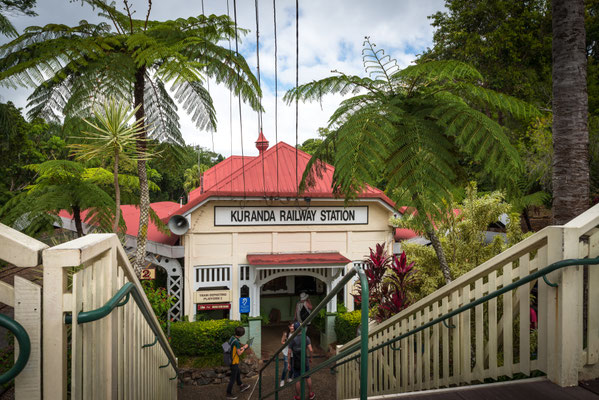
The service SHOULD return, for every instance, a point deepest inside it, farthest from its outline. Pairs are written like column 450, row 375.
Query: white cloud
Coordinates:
column 331, row 37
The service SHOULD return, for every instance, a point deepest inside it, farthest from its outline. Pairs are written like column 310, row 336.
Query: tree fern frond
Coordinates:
column 338, row 84
column 196, row 101
column 161, row 113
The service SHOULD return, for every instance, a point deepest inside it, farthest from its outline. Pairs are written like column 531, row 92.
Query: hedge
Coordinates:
column 201, row 338
column 346, row 326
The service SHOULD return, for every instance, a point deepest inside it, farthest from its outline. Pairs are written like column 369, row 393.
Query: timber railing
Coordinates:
column 117, row 348
column 362, row 383
column 485, row 331
column 25, row 297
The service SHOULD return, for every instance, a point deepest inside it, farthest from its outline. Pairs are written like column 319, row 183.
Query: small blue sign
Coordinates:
column 244, row 305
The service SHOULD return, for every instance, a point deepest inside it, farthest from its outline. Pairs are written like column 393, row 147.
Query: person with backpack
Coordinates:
column 295, row 363
column 303, row 308
column 285, row 353
column 232, row 350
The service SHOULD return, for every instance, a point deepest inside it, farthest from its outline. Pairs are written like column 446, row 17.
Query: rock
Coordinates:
column 196, row 374
column 202, row 381
column 222, row 370
column 228, row 373
column 210, row 374
column 221, row 376
column 217, row 381
column 251, row 374
column 244, row 368
column 187, row 380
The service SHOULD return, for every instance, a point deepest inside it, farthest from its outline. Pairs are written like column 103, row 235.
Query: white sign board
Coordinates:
column 212, row 296
column 252, row 216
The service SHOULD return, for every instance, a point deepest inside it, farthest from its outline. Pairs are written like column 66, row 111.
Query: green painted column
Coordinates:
column 328, row 336
column 256, row 333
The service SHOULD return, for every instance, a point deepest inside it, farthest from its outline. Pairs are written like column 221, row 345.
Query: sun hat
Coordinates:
column 303, row 296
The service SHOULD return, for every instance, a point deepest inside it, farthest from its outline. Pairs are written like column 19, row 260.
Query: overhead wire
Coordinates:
column 296, row 97
column 230, row 116
column 239, row 98
column 260, row 100
column 274, row 10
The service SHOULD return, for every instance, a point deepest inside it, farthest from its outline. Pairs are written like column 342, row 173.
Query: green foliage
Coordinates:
column 462, row 236
column 412, row 126
column 509, row 42
column 201, row 338
column 60, row 185
column 346, row 326
column 159, row 300
column 74, row 68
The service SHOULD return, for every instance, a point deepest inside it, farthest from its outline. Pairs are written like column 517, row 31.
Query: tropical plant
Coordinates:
column 193, row 177
column 463, row 235
column 411, row 126
column 10, row 7
column 389, row 280
column 111, row 137
column 74, row 68
column 570, row 176
column 160, row 301
column 60, row 185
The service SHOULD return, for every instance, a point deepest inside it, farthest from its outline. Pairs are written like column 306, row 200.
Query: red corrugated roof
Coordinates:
column 219, row 172
column 297, row 259
column 259, row 178
column 404, row 234
column 131, row 216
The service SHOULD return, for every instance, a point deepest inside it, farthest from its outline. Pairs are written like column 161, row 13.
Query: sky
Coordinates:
column 331, row 37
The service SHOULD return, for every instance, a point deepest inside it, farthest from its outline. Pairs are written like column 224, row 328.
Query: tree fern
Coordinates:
column 411, row 127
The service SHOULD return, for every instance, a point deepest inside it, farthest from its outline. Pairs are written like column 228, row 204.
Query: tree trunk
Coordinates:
column 440, row 255
column 117, row 193
column 570, row 176
column 78, row 224
column 527, row 219
column 144, row 195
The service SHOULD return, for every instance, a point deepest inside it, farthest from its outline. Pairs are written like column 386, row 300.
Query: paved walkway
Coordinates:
column 527, row 389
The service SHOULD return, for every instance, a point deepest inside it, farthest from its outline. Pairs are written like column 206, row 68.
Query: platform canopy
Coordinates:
column 333, row 259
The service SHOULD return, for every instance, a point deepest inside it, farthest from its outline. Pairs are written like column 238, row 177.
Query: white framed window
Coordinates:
column 208, row 276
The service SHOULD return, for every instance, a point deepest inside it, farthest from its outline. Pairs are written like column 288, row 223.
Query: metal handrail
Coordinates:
column 302, row 328
column 522, row 281
column 24, row 347
column 115, row 301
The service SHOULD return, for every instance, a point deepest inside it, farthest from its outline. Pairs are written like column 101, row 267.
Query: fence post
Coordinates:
column 54, row 346
column 568, row 335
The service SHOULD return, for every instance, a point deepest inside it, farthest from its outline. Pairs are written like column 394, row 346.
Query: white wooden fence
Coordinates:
column 494, row 339
column 25, row 297
column 108, row 359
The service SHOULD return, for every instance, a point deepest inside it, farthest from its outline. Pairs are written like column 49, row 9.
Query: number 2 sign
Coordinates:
column 148, row 274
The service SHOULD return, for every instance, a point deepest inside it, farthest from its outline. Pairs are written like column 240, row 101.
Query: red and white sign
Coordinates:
column 206, row 307
column 148, row 274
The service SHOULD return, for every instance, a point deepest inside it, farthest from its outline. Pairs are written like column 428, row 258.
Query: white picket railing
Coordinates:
column 25, row 297
column 107, row 357
column 494, row 339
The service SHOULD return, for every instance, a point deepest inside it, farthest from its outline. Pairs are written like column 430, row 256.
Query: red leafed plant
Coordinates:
column 389, row 278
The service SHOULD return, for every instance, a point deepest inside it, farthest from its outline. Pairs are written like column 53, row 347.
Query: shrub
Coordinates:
column 346, row 325
column 201, row 338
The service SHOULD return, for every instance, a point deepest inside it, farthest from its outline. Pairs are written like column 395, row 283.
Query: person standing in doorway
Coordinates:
column 303, row 308
column 237, row 350
column 295, row 362
column 285, row 337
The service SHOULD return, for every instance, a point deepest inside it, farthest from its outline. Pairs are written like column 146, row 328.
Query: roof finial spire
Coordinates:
column 261, row 143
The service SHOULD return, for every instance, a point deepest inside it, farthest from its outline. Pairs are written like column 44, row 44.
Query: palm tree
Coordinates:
column 410, row 128
column 73, row 68
column 111, row 137
column 570, row 177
